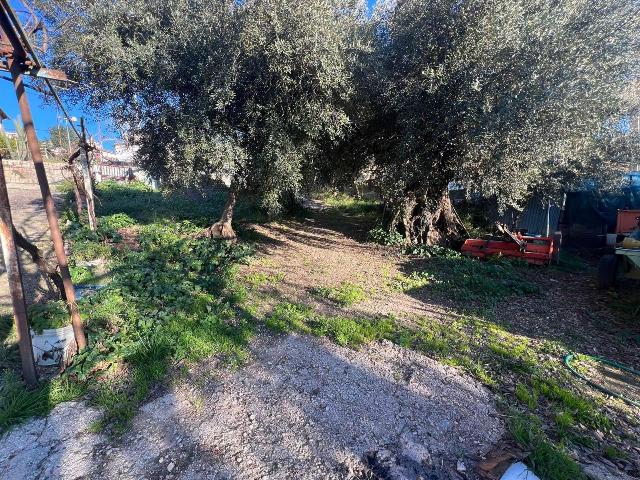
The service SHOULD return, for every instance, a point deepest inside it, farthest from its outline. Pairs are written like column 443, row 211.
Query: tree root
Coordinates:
column 222, row 230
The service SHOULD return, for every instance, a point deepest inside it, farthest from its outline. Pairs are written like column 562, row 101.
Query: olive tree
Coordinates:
column 508, row 97
column 243, row 92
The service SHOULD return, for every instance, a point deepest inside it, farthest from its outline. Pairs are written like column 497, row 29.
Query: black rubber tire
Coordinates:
column 607, row 272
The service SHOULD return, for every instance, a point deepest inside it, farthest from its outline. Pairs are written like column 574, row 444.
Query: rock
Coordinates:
column 171, row 466
column 415, row 451
column 461, row 467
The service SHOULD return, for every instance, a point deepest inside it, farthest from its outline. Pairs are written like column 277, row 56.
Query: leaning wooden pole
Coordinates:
column 86, row 174
column 16, row 288
column 49, row 204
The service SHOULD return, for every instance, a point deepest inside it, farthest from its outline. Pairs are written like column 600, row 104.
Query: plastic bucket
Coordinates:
column 519, row 471
column 49, row 346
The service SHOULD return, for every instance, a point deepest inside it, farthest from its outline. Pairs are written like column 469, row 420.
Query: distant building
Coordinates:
column 124, row 153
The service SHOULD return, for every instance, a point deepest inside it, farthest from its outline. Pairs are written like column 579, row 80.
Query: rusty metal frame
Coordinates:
column 20, row 58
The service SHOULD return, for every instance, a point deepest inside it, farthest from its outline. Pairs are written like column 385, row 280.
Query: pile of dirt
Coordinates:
column 302, row 408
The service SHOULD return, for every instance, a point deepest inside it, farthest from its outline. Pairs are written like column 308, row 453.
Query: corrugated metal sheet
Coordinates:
column 534, row 217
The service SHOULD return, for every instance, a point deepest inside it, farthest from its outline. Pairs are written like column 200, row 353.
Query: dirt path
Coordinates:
column 297, row 257
column 302, row 409
column 29, row 218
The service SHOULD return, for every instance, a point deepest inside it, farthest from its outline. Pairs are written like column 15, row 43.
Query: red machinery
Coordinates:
column 533, row 250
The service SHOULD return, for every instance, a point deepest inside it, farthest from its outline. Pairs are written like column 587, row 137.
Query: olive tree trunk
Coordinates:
column 429, row 219
column 223, row 228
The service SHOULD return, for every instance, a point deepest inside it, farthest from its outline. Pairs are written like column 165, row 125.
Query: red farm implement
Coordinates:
column 533, row 250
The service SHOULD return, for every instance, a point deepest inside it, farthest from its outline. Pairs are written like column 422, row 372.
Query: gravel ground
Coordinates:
column 27, row 211
column 302, row 408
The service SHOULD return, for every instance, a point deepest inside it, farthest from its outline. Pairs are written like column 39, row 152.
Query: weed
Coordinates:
column 50, row 315
column 564, row 423
column 384, row 236
column 18, row 403
column 172, row 300
column 526, row 397
column 547, row 460
column 429, row 251
column 345, row 294
column 483, row 283
column 612, row 453
column 345, row 331
column 570, row 262
column 581, row 409
column 288, row 317
column 413, row 281
column 441, row 339
column 260, row 279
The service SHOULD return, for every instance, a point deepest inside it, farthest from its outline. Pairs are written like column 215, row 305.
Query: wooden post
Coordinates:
column 49, row 204
column 86, row 175
column 14, row 275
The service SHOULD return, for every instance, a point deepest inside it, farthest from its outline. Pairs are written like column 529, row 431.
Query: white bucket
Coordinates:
column 519, row 471
column 49, row 346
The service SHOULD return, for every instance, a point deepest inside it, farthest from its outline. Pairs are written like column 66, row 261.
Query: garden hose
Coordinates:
column 569, row 357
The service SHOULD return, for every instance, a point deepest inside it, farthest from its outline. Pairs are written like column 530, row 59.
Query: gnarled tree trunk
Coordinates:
column 223, row 228
column 428, row 219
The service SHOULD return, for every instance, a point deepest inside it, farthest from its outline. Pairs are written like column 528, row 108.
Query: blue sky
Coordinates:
column 46, row 115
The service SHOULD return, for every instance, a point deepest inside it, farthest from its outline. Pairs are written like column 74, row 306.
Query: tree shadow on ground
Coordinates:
column 303, row 408
column 148, row 206
column 566, row 307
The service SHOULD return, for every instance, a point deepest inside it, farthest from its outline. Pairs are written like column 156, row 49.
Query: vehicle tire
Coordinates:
column 607, row 271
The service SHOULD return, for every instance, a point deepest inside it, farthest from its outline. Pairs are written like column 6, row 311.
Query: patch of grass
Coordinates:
column 352, row 206
column 472, row 281
column 345, row 331
column 411, row 282
column 345, row 294
column 441, row 340
column 145, row 205
column 526, row 397
column 570, row 262
column 175, row 299
column 581, row 409
column 564, row 423
column 18, row 403
column 547, row 460
column 260, row 279
column 289, row 317
column 613, row 453
column 350, row 332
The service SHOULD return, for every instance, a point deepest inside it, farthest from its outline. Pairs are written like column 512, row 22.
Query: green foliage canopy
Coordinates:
column 507, row 96
column 241, row 91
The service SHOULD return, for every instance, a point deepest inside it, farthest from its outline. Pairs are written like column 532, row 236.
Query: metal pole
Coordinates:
column 68, row 140
column 49, row 205
column 549, row 218
column 86, row 174
column 16, row 289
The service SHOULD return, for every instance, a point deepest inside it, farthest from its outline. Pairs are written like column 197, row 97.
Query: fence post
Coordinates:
column 14, row 274
column 86, row 175
column 49, row 204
